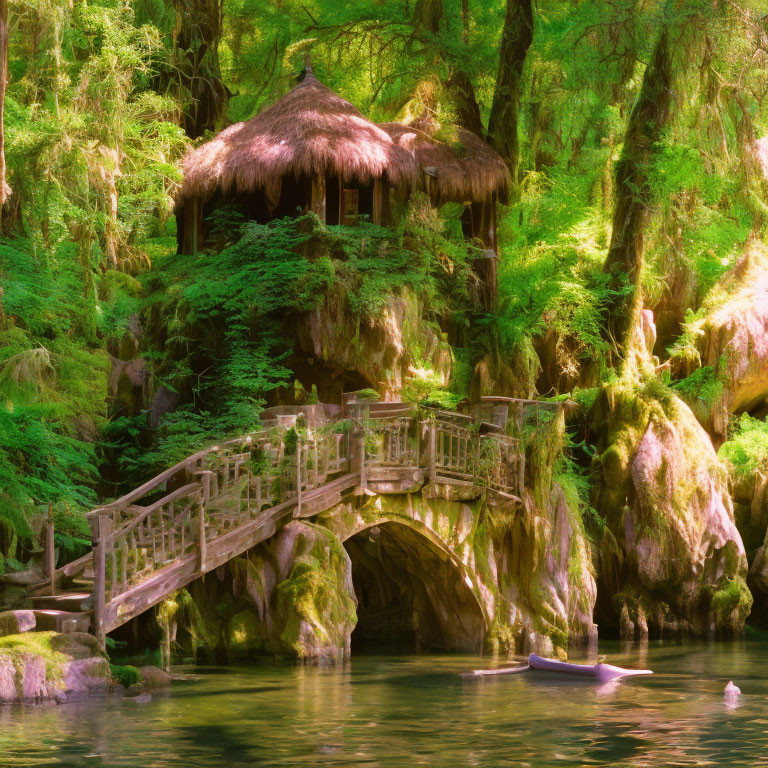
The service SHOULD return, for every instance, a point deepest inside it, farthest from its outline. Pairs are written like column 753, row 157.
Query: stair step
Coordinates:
column 61, row 621
column 76, row 602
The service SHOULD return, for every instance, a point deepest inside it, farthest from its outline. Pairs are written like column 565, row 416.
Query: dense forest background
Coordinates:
column 631, row 129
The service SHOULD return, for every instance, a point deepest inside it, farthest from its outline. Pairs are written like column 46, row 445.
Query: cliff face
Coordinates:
column 382, row 351
column 671, row 558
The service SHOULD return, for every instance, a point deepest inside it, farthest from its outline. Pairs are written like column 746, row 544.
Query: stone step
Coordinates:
column 76, row 602
column 48, row 619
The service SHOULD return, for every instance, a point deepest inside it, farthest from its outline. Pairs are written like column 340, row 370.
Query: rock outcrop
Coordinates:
column 291, row 595
column 671, row 557
column 731, row 345
column 750, row 496
column 384, row 351
column 16, row 622
column 46, row 666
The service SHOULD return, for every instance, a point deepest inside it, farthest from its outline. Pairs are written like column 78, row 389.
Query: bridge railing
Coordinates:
column 230, row 486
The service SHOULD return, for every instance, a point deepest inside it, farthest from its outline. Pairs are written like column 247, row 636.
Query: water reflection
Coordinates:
column 418, row 711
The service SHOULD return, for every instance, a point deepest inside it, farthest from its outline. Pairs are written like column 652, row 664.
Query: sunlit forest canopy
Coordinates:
column 632, row 135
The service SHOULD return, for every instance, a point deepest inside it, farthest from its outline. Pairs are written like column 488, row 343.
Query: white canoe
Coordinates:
column 603, row 673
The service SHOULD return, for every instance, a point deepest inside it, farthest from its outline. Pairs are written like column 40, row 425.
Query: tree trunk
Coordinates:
column 633, row 196
column 460, row 86
column 202, row 92
column 515, row 41
column 5, row 190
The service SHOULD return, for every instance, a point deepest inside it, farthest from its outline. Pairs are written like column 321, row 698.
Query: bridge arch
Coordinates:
column 413, row 592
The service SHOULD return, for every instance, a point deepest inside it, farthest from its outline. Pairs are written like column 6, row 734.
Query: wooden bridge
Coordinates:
column 221, row 502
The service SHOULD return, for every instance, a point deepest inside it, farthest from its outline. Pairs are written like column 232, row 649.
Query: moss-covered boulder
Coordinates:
column 670, row 553
column 291, row 595
column 315, row 605
column 724, row 350
column 16, row 622
column 46, row 666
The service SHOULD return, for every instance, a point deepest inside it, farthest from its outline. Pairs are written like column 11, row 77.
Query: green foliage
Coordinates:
column 219, row 320
column 52, row 380
column 550, row 277
column 427, row 388
column 746, row 449
column 576, row 484
column 704, row 385
column 125, row 675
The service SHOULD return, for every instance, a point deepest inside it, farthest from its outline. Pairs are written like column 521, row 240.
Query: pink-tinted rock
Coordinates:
column 85, row 676
column 671, row 542
column 7, row 679
column 34, row 679
column 16, row 622
column 732, row 339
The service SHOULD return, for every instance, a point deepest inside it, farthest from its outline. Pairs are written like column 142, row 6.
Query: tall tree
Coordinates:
column 201, row 90
column 5, row 190
column 516, row 39
column 624, row 262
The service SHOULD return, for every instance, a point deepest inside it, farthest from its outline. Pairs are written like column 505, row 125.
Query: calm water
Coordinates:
column 404, row 711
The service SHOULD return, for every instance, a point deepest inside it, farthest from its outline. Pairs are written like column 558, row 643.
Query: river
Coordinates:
column 416, row 710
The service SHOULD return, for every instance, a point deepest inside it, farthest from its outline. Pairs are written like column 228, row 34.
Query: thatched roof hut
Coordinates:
column 311, row 149
column 309, row 132
column 468, row 170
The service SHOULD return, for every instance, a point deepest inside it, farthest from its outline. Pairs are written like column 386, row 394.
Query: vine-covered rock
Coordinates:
column 726, row 355
column 291, row 595
column 382, row 349
column 671, row 553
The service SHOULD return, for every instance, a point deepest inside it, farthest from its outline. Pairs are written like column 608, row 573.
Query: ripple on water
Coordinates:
column 393, row 712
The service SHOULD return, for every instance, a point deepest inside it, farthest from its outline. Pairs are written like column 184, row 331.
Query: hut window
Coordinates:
column 349, row 207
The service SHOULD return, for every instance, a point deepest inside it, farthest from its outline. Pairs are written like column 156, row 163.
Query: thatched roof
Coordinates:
column 310, row 131
column 470, row 169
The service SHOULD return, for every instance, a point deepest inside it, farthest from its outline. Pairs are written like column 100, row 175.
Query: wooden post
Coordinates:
column 195, row 217
column 363, row 477
column 299, row 449
column 101, row 534
column 49, row 556
column 318, row 196
column 432, row 451
column 378, row 197
column 202, row 543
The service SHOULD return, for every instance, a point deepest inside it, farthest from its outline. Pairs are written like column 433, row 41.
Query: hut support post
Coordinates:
column 318, row 196
column 195, row 216
column 378, row 199
column 49, row 559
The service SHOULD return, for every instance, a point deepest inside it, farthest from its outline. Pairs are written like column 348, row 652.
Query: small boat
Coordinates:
column 603, row 673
